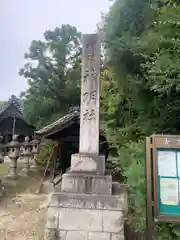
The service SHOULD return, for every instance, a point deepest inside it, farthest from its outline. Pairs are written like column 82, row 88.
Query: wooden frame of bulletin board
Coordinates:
column 162, row 180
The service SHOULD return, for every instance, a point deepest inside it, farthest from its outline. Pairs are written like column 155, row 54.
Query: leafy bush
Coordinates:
column 131, row 161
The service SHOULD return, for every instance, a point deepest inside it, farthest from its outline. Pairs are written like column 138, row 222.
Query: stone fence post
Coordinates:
column 13, row 154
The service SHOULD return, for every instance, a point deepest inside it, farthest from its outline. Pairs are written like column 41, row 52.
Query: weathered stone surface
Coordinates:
column 119, row 236
column 99, row 236
column 33, row 164
column 102, row 185
column 77, row 235
column 90, row 85
column 80, row 219
column 62, row 235
column 113, row 221
column 87, row 201
column 51, row 234
column 86, row 183
column 13, row 168
column 72, row 183
column 88, row 163
column 52, row 218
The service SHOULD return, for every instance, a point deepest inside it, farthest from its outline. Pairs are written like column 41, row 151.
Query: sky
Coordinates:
column 22, row 21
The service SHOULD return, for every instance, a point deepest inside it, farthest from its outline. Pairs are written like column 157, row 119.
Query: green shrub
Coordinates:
column 131, row 161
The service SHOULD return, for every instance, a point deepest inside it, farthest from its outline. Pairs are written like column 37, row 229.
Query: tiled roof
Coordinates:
column 12, row 100
column 60, row 123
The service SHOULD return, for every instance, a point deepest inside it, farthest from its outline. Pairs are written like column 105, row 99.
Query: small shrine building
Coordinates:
column 65, row 131
column 12, row 120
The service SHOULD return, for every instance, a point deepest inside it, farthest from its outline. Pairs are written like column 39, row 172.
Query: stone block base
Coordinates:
column 85, row 217
column 88, row 163
column 86, row 183
column 52, row 234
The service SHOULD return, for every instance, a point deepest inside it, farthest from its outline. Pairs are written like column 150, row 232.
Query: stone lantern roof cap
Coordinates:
column 35, row 142
column 14, row 142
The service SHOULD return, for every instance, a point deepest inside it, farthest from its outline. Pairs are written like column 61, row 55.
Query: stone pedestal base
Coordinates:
column 85, row 217
column 32, row 163
column 89, row 206
column 86, row 183
column 25, row 171
column 13, row 169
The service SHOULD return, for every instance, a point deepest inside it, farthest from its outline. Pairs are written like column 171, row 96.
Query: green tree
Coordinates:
column 141, row 91
column 123, row 26
column 53, row 72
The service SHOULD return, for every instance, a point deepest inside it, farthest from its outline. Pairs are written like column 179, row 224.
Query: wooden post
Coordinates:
column 149, row 220
column 90, row 85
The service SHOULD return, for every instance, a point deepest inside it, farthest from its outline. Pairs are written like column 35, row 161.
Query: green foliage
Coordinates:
column 140, row 92
column 131, row 162
column 44, row 154
column 53, row 72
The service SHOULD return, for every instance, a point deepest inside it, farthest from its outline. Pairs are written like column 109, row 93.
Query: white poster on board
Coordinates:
column 167, row 164
column 178, row 163
column 169, row 191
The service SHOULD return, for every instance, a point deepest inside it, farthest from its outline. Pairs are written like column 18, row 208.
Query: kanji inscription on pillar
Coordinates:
column 90, row 87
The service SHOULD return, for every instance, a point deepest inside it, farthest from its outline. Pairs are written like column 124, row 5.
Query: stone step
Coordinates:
column 88, row 201
column 86, row 183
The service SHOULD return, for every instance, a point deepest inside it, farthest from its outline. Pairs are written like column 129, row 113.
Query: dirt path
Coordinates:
column 23, row 217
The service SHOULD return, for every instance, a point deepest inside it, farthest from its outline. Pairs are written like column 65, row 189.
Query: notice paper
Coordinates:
column 167, row 164
column 169, row 191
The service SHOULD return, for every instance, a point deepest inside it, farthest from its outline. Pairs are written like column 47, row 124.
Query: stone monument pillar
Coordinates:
column 13, row 154
column 1, row 161
column 26, row 154
column 90, row 206
column 34, row 151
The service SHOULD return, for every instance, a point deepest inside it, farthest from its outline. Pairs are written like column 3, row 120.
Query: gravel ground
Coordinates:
column 22, row 212
column 23, row 217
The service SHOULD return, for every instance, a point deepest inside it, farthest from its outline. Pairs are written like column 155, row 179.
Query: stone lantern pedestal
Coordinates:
column 34, row 151
column 13, row 154
column 26, row 154
column 1, row 161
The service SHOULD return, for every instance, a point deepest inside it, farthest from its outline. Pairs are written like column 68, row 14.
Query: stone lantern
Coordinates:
column 13, row 154
column 1, row 161
column 26, row 154
column 34, row 151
